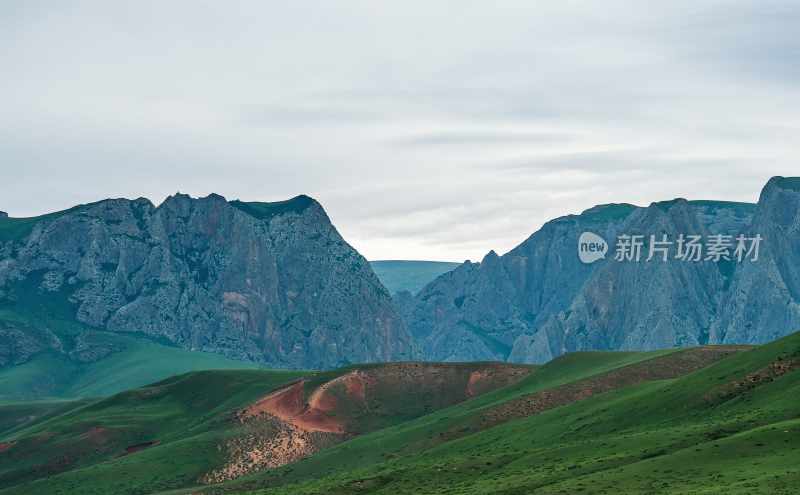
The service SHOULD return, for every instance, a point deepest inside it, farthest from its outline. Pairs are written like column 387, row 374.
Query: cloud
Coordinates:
column 434, row 130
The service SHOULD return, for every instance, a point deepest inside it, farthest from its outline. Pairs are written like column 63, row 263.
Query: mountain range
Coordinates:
column 539, row 301
column 274, row 284
column 271, row 283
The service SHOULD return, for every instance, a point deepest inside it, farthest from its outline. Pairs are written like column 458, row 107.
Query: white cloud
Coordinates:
column 434, row 130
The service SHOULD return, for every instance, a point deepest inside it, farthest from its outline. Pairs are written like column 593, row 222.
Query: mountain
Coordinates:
column 409, row 275
column 709, row 419
column 539, row 301
column 272, row 283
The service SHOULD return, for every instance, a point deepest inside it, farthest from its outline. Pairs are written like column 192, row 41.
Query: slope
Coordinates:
column 731, row 427
column 212, row 426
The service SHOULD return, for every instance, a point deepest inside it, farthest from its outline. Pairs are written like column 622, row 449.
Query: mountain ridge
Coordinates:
column 538, row 301
column 273, row 283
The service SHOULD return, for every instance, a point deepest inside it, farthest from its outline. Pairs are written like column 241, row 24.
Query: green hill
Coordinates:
column 714, row 419
column 400, row 275
column 46, row 353
column 206, row 425
column 136, row 363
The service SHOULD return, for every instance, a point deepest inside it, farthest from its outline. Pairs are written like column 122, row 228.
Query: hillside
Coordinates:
column 711, row 419
column 212, row 426
column 729, row 427
column 409, row 275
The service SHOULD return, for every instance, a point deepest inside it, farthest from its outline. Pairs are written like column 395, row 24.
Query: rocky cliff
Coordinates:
column 539, row 301
column 268, row 282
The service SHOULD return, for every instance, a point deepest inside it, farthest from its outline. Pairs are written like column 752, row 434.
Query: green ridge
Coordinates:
column 265, row 211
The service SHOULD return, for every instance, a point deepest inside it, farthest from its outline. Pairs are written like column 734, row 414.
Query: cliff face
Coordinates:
column 539, row 301
column 275, row 283
column 479, row 310
column 764, row 299
column 269, row 282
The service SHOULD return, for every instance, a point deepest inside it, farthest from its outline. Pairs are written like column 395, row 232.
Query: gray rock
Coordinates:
column 268, row 282
column 538, row 301
column 763, row 302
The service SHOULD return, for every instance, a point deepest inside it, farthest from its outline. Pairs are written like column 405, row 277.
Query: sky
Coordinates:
column 427, row 129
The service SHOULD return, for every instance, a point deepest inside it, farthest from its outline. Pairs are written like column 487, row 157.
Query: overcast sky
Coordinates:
column 428, row 130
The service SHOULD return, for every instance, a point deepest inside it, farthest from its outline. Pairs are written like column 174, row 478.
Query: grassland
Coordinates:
column 132, row 360
column 137, row 363
column 674, row 421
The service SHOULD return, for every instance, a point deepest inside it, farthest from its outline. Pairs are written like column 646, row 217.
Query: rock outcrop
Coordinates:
column 269, row 282
column 539, row 301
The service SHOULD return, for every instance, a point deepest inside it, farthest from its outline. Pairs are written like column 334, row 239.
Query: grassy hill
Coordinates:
column 715, row 419
column 397, row 275
column 84, row 362
column 137, row 363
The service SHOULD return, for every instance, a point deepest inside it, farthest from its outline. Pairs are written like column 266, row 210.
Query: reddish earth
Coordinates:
column 287, row 424
column 763, row 376
column 661, row 368
column 131, row 449
column 5, row 446
column 330, row 406
column 97, row 434
column 290, row 406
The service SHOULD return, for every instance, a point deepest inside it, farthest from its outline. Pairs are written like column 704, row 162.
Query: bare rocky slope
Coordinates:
column 273, row 283
column 539, row 301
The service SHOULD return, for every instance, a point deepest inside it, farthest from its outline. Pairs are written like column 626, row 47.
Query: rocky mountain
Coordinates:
column 539, row 301
column 273, row 283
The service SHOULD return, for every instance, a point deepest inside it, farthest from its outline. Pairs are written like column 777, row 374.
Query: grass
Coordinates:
column 135, row 360
column 187, row 414
column 608, row 212
column 265, row 211
column 17, row 415
column 14, row 229
column 698, row 433
column 138, row 363
column 659, row 437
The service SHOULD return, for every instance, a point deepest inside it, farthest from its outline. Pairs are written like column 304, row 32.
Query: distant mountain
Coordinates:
column 409, row 275
column 539, row 301
column 272, row 283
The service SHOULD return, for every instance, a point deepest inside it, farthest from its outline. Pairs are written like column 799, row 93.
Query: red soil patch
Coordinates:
column 474, row 380
column 289, row 405
column 318, row 414
column 5, row 446
column 768, row 374
column 132, row 449
column 284, row 427
column 283, row 403
column 97, row 434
